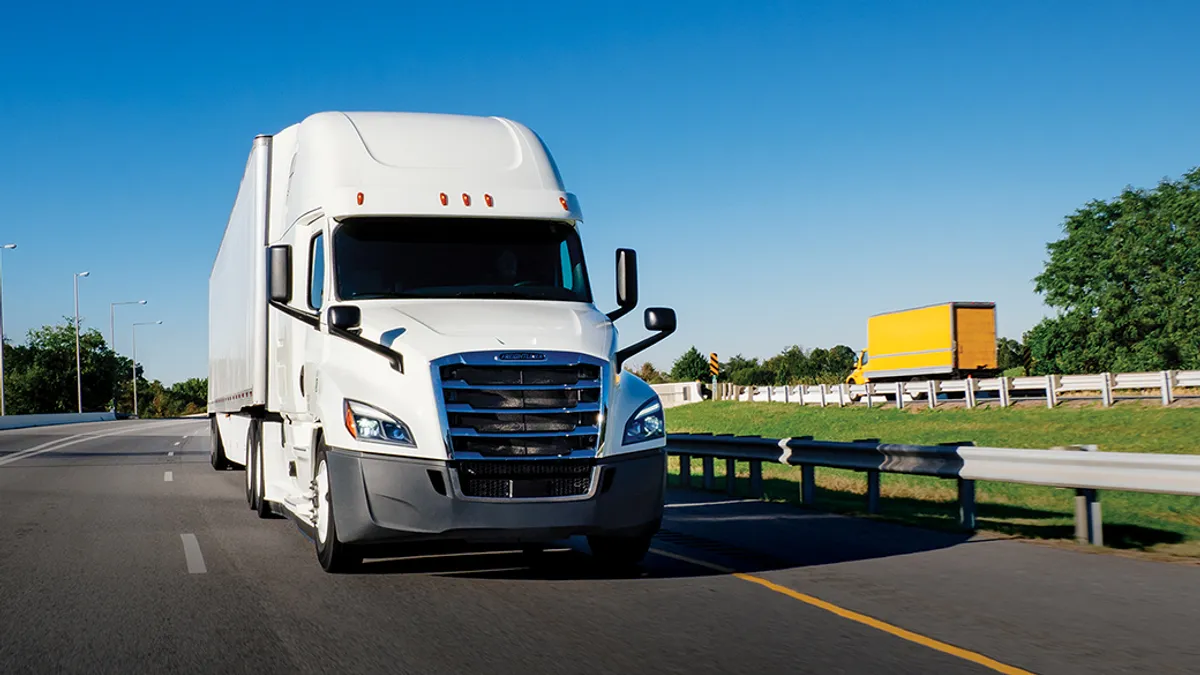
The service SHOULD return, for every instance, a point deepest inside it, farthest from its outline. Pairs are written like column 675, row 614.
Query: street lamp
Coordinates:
column 112, row 337
column 2, row 248
column 78, row 361
column 134, row 331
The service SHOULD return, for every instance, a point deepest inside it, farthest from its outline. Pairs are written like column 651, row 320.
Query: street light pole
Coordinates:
column 133, row 330
column 112, row 338
column 6, row 246
column 78, row 360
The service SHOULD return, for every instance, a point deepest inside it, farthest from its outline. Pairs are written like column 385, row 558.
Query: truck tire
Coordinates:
column 255, row 488
column 621, row 553
column 335, row 556
column 216, row 449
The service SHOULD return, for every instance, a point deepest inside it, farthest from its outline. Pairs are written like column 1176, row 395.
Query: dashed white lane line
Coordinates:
column 191, row 552
column 168, row 477
column 177, row 442
column 171, row 453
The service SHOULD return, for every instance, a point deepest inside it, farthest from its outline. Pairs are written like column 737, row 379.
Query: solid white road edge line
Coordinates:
column 72, row 440
column 22, row 453
column 191, row 552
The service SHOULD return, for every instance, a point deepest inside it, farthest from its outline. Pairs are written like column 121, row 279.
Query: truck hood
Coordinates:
column 434, row 328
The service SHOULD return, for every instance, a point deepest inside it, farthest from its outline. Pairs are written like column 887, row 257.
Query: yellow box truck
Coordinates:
column 947, row 341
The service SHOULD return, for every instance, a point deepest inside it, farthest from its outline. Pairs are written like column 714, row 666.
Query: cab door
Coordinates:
column 292, row 361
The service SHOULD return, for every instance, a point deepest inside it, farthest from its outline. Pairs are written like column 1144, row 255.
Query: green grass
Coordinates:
column 1165, row 524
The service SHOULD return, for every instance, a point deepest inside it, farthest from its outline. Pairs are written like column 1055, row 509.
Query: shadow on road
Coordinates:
column 741, row 535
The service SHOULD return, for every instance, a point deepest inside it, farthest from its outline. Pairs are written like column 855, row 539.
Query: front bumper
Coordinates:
column 389, row 499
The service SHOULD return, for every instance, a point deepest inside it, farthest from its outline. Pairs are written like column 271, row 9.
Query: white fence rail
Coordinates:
column 1052, row 389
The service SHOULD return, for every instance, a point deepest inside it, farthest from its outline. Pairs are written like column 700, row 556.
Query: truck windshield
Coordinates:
column 459, row 258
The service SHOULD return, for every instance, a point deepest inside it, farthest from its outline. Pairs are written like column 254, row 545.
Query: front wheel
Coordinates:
column 619, row 552
column 334, row 555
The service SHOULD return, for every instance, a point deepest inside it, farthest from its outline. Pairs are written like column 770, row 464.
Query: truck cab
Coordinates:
column 435, row 365
column 857, row 376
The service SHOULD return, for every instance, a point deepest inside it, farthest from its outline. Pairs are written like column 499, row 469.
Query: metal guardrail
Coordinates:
column 1082, row 468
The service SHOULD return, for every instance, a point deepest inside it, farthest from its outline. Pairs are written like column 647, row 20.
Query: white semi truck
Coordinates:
column 403, row 345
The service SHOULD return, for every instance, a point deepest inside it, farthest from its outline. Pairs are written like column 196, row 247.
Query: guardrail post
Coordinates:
column 900, row 396
column 730, row 477
column 756, row 481
column 970, row 392
column 1089, row 522
column 1168, row 392
column 873, row 491
column 870, row 394
column 710, row 476
column 1089, row 527
column 841, row 394
column 1051, row 391
column 872, row 482
column 932, row 385
column 966, row 503
column 685, row 470
column 808, row 485
column 1004, row 401
column 822, row 395
column 787, row 393
column 800, row 392
column 771, row 394
column 1106, row 392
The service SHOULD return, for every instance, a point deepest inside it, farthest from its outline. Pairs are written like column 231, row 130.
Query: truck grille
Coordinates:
column 522, row 410
column 522, row 479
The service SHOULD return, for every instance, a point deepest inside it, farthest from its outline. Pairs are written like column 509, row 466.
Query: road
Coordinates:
column 122, row 551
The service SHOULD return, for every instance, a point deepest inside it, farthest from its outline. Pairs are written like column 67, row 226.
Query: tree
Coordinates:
column 691, row 367
column 1126, row 283
column 40, row 374
column 650, row 374
column 1011, row 354
column 788, row 366
column 734, row 364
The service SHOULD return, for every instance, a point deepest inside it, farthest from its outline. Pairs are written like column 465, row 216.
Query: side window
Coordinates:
column 568, row 273
column 316, row 272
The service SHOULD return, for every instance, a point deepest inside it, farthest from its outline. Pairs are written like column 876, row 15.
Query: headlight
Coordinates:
column 371, row 424
column 646, row 424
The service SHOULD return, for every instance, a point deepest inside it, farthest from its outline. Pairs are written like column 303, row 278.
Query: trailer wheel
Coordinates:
column 335, row 556
column 216, row 449
column 622, row 553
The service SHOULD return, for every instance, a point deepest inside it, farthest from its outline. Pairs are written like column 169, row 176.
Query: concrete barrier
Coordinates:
column 26, row 421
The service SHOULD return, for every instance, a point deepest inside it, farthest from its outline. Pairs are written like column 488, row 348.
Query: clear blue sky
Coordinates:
column 784, row 169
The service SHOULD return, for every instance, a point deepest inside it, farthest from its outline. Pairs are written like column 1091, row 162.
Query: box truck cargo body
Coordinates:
column 404, row 344
column 950, row 340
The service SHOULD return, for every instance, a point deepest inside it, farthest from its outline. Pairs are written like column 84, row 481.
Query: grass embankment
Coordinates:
column 1165, row 524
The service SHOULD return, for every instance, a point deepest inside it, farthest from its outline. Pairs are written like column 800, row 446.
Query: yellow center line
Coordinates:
column 863, row 619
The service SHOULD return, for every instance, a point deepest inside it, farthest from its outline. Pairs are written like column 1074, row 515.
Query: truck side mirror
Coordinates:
column 345, row 317
column 279, row 273
column 627, row 283
column 660, row 319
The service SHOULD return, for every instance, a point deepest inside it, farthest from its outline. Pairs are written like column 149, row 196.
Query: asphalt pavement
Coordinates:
column 122, row 551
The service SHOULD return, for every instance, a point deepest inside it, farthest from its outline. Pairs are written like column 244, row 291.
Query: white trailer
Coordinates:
column 404, row 345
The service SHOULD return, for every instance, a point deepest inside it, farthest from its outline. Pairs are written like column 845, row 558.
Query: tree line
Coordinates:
column 39, row 377
column 794, row 365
